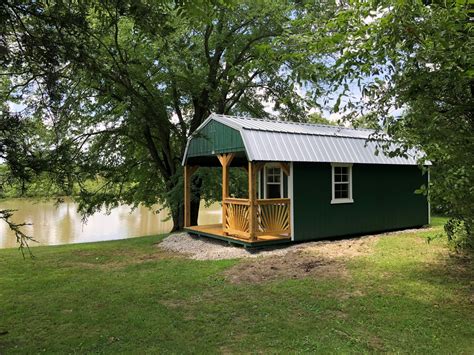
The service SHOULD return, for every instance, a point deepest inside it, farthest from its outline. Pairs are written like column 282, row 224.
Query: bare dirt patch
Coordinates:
column 317, row 259
column 346, row 248
column 116, row 259
column 296, row 264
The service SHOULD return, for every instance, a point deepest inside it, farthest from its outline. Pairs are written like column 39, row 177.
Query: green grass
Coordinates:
column 129, row 296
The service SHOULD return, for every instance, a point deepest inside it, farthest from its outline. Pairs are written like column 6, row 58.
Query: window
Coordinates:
column 273, row 182
column 341, row 183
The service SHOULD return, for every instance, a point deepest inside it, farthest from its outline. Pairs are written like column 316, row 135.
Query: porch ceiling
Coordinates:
column 240, row 160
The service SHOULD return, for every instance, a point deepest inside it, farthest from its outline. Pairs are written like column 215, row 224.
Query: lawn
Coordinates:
column 405, row 295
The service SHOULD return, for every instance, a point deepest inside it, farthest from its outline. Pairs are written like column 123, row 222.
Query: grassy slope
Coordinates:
column 130, row 296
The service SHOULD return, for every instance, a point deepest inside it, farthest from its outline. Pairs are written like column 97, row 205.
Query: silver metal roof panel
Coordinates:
column 267, row 140
column 239, row 122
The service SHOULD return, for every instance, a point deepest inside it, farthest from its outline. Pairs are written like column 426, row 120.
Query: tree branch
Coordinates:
column 21, row 238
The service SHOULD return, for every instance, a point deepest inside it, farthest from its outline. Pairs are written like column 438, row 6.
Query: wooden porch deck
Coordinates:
column 215, row 231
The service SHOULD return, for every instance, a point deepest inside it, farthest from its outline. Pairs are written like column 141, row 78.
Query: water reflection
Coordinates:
column 61, row 224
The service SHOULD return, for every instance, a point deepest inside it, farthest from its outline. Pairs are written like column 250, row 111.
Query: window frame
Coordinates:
column 265, row 179
column 349, row 199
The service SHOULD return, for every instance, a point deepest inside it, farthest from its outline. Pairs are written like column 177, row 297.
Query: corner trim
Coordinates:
column 292, row 202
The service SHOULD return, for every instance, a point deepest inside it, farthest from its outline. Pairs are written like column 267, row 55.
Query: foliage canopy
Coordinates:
column 413, row 63
column 118, row 86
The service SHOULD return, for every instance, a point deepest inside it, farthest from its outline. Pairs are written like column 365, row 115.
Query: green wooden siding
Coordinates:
column 384, row 199
column 215, row 138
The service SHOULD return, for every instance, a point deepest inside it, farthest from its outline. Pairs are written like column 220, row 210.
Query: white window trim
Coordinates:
column 341, row 200
column 265, row 179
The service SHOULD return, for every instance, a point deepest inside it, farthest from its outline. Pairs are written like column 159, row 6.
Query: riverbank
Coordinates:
column 401, row 295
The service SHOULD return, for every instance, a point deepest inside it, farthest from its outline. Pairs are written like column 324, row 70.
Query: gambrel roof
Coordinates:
column 268, row 140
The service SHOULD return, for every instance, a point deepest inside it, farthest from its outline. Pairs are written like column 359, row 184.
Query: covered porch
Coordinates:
column 261, row 219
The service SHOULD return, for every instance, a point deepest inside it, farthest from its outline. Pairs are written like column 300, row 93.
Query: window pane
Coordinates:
column 340, row 170
column 273, row 191
column 273, row 175
column 341, row 191
column 341, row 174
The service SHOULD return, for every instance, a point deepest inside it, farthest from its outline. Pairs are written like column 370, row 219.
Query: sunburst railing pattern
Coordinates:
column 273, row 216
column 237, row 219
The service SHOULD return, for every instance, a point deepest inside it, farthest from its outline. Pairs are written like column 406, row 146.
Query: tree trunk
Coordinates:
column 177, row 214
column 195, row 199
column 178, row 218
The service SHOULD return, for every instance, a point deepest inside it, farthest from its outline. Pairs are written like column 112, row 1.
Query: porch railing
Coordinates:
column 237, row 217
column 272, row 217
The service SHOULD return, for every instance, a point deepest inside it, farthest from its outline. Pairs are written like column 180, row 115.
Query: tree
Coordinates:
column 120, row 85
column 18, row 152
column 368, row 121
column 412, row 61
column 319, row 119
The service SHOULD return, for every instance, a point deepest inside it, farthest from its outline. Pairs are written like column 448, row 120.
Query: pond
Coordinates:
column 62, row 224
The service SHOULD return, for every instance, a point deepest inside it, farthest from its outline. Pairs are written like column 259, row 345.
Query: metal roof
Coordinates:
column 267, row 140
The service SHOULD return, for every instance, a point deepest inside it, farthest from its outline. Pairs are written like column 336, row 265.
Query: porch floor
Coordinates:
column 215, row 231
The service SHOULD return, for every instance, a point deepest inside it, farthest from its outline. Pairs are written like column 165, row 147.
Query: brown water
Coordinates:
column 53, row 225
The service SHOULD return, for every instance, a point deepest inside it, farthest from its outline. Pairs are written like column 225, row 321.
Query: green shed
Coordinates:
column 305, row 181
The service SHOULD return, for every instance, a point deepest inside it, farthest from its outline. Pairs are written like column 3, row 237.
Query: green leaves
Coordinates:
column 122, row 84
column 413, row 65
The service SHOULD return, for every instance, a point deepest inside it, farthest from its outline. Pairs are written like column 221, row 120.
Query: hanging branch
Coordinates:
column 21, row 238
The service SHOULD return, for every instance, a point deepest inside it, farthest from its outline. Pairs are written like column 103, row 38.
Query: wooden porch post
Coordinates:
column 225, row 160
column 252, row 201
column 253, row 169
column 188, row 172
